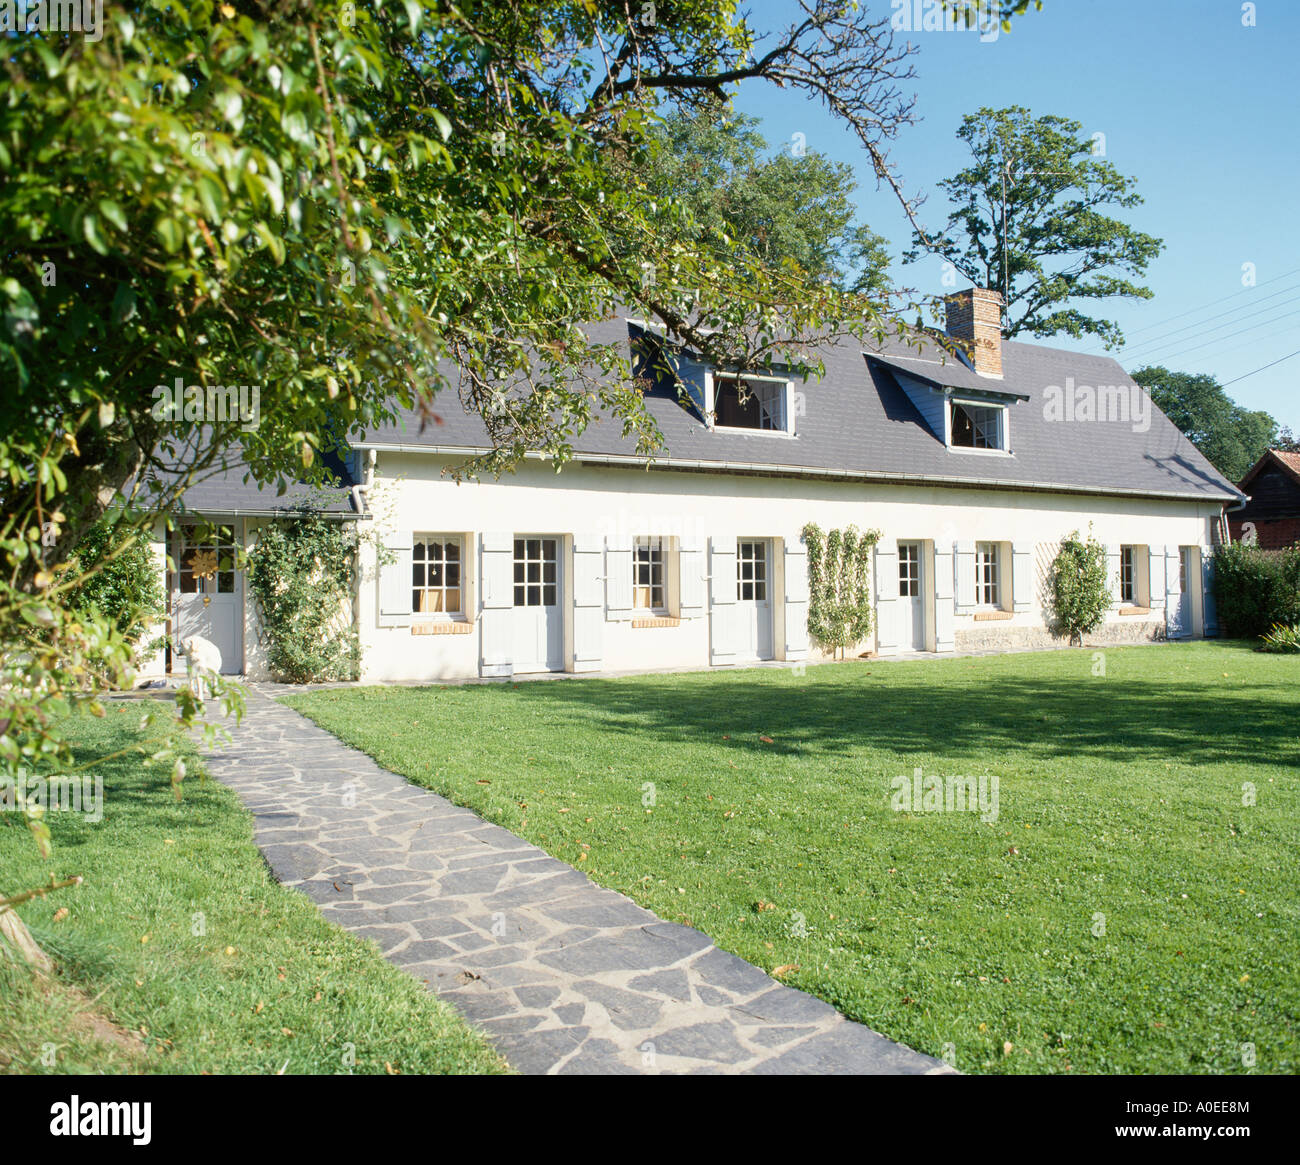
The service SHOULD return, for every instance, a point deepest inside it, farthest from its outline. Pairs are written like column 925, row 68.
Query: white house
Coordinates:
column 972, row 470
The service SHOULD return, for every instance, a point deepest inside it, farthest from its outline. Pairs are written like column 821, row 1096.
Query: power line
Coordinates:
column 1159, row 341
column 1163, row 353
column 1203, row 307
column 1244, row 375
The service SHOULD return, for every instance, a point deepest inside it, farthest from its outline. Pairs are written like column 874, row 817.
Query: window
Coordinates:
column 746, row 403
column 207, row 561
column 909, row 570
column 1127, row 576
column 649, row 591
column 436, row 575
column 751, row 571
column 535, row 572
column 977, row 426
column 987, row 571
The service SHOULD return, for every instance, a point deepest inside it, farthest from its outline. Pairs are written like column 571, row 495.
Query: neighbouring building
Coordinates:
column 1271, row 518
column 972, row 467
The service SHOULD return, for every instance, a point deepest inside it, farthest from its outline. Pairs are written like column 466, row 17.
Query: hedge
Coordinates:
column 1255, row 589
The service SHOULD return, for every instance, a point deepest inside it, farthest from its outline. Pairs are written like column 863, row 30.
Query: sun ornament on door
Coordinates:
column 203, row 564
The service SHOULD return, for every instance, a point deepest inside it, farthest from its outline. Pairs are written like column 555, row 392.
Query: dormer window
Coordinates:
column 977, row 426
column 760, row 404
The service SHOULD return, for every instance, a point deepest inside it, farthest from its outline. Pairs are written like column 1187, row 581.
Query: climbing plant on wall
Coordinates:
column 302, row 573
column 839, row 585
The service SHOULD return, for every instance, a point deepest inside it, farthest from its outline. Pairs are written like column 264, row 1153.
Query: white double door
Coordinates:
column 754, row 598
column 208, row 592
column 911, row 596
column 538, row 592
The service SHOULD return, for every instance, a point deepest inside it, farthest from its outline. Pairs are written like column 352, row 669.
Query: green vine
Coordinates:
column 839, row 586
column 302, row 573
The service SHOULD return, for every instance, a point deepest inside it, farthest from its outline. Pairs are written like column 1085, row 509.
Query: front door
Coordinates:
column 754, row 597
column 911, row 608
column 207, row 598
column 539, row 619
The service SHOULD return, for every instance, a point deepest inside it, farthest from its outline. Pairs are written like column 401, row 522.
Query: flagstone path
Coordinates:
column 564, row 976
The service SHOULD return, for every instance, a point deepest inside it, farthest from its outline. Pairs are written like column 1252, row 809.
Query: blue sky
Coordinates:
column 1199, row 108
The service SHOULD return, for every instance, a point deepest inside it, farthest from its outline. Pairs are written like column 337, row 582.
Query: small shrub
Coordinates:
column 302, row 572
column 1080, row 589
column 119, row 578
column 1255, row 590
column 1282, row 640
column 839, row 588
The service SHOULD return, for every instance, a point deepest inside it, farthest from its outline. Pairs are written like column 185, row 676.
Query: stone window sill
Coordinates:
column 442, row 627
column 1135, row 610
column 656, row 621
column 992, row 616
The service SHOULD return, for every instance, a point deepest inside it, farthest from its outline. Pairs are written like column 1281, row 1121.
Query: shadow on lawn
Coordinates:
column 950, row 713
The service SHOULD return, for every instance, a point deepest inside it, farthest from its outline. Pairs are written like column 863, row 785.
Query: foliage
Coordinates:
column 302, row 573
column 120, row 578
column 839, row 586
column 1080, row 589
column 180, row 933
column 774, row 787
column 334, row 204
column 794, row 205
column 1060, row 245
column 1231, row 438
column 1254, row 589
column 1282, row 640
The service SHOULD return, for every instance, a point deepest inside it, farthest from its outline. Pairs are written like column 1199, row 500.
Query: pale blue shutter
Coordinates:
column 588, row 602
column 618, row 577
column 796, row 599
column 886, row 572
column 944, row 639
column 1175, row 613
column 724, row 629
column 1156, row 578
column 692, row 569
column 497, row 554
column 1022, row 576
column 964, row 574
column 395, row 579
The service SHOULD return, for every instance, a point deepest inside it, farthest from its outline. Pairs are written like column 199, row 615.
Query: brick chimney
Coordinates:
column 974, row 319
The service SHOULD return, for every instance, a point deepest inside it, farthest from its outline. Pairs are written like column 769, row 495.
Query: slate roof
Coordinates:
column 223, row 491
column 857, row 422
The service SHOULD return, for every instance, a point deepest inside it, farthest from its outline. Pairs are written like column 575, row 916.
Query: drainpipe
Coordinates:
column 360, row 504
column 363, row 486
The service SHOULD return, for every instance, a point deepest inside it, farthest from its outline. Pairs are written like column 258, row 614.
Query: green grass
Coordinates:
column 1120, row 795
column 204, row 963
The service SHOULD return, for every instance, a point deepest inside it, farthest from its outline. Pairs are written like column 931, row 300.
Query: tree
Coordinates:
column 1080, row 589
column 1232, row 438
column 1037, row 183
column 791, row 206
column 120, row 578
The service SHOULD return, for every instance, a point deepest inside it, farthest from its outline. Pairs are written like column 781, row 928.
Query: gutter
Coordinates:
column 363, row 486
column 620, row 460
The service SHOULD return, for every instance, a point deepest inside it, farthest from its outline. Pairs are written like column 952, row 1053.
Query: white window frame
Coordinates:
column 909, row 570
column 988, row 554
column 1128, row 580
column 658, row 554
column 787, row 403
column 424, row 540
column 1003, row 446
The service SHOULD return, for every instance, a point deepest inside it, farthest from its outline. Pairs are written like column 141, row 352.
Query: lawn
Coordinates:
column 180, row 953
column 1125, row 912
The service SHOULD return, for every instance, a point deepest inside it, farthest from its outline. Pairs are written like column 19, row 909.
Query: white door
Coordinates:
column 538, row 616
column 207, row 598
column 910, row 606
column 754, row 597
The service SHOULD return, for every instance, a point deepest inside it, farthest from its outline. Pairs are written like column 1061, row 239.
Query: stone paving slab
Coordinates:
column 564, row 976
